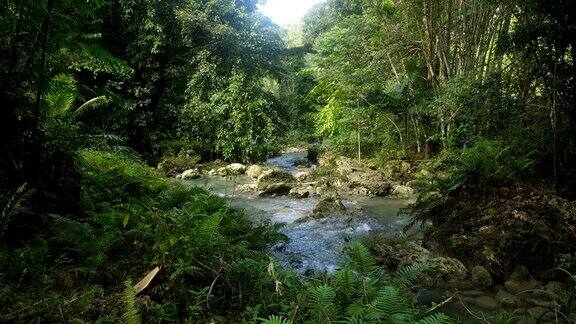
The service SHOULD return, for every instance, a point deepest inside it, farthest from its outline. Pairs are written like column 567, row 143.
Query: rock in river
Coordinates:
column 254, row 171
column 232, row 169
column 190, row 174
column 275, row 182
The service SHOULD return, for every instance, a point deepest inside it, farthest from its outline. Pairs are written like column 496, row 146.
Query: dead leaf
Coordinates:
column 144, row 283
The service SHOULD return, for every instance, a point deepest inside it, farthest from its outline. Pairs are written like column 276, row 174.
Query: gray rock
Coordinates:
column 506, row 299
column 447, row 270
column 302, row 175
column 536, row 312
column 481, row 277
column 539, row 302
column 254, row 171
column 190, row 174
column 275, row 189
column 520, row 280
column 557, row 290
column 232, row 169
column 302, row 163
column 402, row 191
column 486, row 302
column 275, row 176
column 471, row 293
column 300, row 192
column 250, row 187
column 326, row 206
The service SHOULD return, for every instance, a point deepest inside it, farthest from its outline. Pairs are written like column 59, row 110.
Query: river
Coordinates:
column 315, row 245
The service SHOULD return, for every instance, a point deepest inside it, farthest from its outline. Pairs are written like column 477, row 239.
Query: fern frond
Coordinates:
column 437, row 318
column 130, row 315
column 361, row 260
column 390, row 304
column 273, row 319
column 356, row 320
column 406, row 276
column 321, row 300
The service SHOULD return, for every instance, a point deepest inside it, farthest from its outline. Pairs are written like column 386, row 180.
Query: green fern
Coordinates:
column 130, row 315
column 321, row 300
column 276, row 320
column 437, row 318
column 406, row 276
column 391, row 304
column 361, row 260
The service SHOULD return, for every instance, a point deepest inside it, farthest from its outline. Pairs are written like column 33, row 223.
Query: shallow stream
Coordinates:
column 315, row 245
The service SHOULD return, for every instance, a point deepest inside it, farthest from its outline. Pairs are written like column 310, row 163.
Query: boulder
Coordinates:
column 520, row 280
column 481, row 277
column 557, row 291
column 274, row 176
column 326, row 206
column 275, row 189
column 254, row 171
column 537, row 312
column 402, row 191
column 361, row 179
column 486, row 302
column 279, row 181
column 471, row 293
column 178, row 176
column 506, row 299
column 190, row 174
column 232, row 169
column 326, row 191
column 304, row 163
column 447, row 270
column 250, row 187
column 302, row 175
column 213, row 172
column 300, row 192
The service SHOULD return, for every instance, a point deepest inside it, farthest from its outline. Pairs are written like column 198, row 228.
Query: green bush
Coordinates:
column 133, row 221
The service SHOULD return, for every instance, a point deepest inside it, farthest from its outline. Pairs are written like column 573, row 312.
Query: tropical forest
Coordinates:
column 288, row 161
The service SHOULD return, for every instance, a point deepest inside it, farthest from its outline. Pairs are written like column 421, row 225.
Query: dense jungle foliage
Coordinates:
column 95, row 92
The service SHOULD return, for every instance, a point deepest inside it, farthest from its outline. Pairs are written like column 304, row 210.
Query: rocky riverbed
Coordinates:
column 324, row 206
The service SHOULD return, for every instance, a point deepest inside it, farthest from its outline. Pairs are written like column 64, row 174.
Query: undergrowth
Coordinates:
column 212, row 259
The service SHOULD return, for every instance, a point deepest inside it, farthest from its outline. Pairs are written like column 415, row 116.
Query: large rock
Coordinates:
column 327, row 206
column 300, row 192
column 557, row 290
column 271, row 177
column 254, row 171
column 402, row 191
column 447, row 270
column 232, row 169
column 302, row 175
column 361, row 179
column 250, row 187
column 276, row 189
column 481, row 277
column 486, row 302
column 506, row 299
column 520, row 280
column 190, row 174
column 443, row 270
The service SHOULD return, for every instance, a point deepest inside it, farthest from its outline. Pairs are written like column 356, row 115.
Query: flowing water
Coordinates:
column 315, row 245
